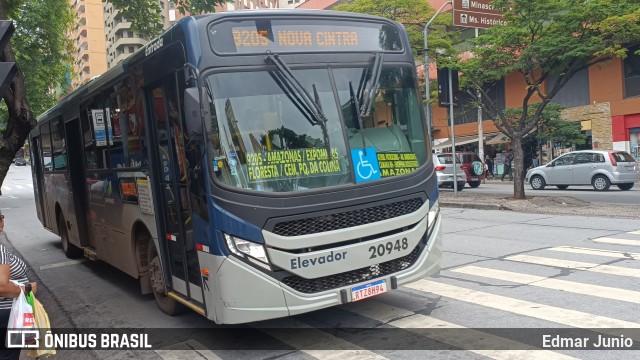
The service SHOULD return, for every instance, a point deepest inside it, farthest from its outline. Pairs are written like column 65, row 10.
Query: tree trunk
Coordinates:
column 518, row 169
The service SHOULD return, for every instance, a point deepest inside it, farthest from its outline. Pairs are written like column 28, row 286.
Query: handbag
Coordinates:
column 20, row 318
column 42, row 323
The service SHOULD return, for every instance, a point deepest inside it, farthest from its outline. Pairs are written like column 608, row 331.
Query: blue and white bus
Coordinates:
column 248, row 165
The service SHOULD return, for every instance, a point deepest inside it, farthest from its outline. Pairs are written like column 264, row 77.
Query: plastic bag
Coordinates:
column 21, row 316
column 42, row 323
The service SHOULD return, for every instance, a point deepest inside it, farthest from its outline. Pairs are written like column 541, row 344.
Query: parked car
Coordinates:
column 601, row 169
column 20, row 162
column 472, row 166
column 444, row 171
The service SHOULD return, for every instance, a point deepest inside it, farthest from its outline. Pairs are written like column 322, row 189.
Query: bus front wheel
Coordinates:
column 70, row 250
column 167, row 304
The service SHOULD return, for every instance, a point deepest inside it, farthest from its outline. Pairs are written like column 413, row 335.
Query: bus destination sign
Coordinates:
column 260, row 36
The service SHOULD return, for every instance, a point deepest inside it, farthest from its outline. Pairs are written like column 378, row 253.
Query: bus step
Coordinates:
column 90, row 253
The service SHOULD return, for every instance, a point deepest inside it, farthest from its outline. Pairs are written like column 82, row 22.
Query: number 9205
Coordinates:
column 387, row 248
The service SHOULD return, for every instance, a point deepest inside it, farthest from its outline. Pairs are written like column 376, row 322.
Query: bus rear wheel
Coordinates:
column 70, row 250
column 167, row 304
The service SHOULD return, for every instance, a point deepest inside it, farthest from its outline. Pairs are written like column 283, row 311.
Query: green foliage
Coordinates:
column 413, row 14
column 542, row 39
column 145, row 14
column 43, row 50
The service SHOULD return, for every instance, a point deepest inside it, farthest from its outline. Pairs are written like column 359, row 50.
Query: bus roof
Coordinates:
column 199, row 21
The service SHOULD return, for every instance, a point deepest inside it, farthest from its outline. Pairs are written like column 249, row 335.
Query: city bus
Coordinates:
column 248, row 165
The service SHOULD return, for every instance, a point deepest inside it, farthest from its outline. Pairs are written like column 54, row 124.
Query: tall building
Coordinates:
column 88, row 41
column 248, row 4
column 290, row 3
column 121, row 40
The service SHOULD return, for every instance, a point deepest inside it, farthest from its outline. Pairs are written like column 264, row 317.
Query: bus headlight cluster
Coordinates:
column 433, row 214
column 249, row 250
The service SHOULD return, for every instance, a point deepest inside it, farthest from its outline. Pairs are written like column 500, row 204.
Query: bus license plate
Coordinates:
column 474, row 179
column 368, row 290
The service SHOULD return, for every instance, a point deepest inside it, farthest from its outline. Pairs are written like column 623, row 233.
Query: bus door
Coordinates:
column 174, row 210
column 37, row 174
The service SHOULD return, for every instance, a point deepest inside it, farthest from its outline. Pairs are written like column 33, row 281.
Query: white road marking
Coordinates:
column 554, row 314
column 188, row 350
column 609, row 240
column 419, row 324
column 6, row 188
column 286, row 331
column 20, row 186
column 576, row 265
column 61, row 264
column 598, row 252
column 553, row 284
column 636, row 232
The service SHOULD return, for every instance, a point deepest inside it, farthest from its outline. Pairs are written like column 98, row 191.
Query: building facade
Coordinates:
column 88, row 41
column 283, row 4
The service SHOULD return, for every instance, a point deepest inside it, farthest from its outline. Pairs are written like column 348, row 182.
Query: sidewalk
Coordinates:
column 560, row 205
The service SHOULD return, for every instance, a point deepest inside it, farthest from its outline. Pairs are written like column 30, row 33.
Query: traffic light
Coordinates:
column 7, row 69
column 443, row 87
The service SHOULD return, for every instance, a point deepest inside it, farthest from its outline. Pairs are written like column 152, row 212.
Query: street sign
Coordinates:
column 476, row 14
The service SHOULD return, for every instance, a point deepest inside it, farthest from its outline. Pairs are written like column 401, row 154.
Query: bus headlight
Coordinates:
column 432, row 216
column 247, row 250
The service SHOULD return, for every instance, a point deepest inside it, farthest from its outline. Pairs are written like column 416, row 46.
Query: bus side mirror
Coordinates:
column 192, row 111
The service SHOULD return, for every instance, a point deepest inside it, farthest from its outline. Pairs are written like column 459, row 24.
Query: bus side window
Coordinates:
column 126, row 150
column 47, row 160
column 59, row 149
column 94, row 133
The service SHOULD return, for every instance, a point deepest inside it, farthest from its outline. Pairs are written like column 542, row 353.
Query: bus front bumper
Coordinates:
column 251, row 295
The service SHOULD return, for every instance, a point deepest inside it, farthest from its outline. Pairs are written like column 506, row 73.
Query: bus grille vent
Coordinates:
column 347, row 219
column 310, row 286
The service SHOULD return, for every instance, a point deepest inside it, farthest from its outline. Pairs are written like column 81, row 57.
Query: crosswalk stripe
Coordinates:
column 188, row 350
column 286, row 331
column 413, row 322
column 608, row 240
column 576, row 265
column 598, row 252
column 6, row 188
column 553, row 284
column 30, row 185
column 20, row 186
column 550, row 313
column 636, row 232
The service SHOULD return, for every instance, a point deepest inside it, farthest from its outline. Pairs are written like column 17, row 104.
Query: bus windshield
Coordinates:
column 264, row 138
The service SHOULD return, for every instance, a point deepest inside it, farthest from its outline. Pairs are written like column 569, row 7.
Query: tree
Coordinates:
column 41, row 50
column 413, row 14
column 543, row 39
column 145, row 14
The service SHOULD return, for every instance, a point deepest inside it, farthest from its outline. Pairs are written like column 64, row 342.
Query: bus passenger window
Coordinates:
column 59, row 149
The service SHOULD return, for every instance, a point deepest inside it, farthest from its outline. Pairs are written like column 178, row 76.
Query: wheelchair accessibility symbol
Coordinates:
column 365, row 163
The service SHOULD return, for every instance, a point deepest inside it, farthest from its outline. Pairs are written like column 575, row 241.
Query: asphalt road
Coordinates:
column 581, row 192
column 506, row 282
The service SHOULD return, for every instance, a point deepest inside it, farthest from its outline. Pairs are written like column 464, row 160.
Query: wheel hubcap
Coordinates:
column 536, row 183
column 600, row 183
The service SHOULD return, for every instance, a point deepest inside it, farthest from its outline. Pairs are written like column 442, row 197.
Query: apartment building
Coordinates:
column 88, row 41
column 290, row 3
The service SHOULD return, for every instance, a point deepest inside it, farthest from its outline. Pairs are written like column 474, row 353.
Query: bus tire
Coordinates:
column 167, row 304
column 70, row 250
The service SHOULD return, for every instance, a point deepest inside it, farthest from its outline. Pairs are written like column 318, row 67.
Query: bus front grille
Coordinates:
column 310, row 286
column 347, row 219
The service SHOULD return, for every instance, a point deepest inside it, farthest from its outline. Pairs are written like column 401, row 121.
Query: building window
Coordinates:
column 575, row 92
column 632, row 73
column 464, row 112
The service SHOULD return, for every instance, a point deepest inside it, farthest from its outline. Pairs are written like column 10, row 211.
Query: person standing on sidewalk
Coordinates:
column 11, row 268
column 507, row 165
column 489, row 164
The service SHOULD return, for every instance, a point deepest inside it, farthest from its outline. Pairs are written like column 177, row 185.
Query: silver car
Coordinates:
column 595, row 167
column 444, row 170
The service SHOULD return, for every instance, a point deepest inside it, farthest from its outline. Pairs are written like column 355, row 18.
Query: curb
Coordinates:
column 474, row 206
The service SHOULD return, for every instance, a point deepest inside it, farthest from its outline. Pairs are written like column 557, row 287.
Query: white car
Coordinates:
column 443, row 164
column 598, row 168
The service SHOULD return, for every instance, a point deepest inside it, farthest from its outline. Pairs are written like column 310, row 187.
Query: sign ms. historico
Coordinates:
column 476, row 14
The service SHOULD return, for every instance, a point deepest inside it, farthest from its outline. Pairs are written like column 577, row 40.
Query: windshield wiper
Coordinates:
column 356, row 105
column 374, row 83
column 310, row 105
